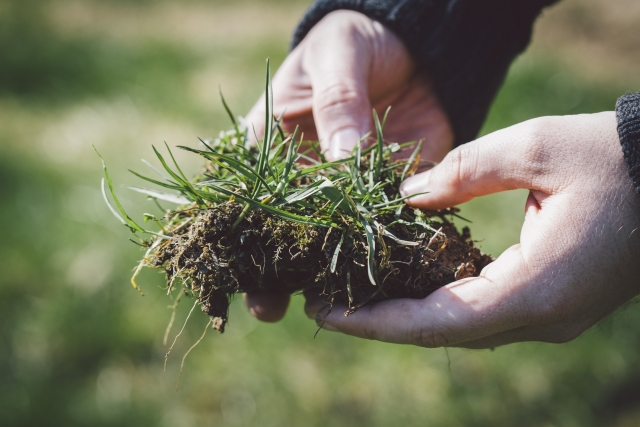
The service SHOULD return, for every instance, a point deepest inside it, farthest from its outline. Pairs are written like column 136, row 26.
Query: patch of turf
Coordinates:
column 256, row 218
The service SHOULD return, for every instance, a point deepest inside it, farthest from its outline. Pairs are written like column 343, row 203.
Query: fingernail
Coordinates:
column 321, row 319
column 342, row 143
column 416, row 184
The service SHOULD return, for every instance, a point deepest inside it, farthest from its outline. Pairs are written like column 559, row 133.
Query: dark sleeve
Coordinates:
column 628, row 113
column 464, row 46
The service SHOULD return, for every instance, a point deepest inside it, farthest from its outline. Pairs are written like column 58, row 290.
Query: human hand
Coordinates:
column 577, row 260
column 347, row 65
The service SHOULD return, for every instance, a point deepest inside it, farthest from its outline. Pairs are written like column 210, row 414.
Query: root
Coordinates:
column 206, row 328
column 173, row 317
column 166, row 357
column 142, row 264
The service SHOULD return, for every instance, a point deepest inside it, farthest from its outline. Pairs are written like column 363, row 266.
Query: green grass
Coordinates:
column 78, row 346
column 358, row 197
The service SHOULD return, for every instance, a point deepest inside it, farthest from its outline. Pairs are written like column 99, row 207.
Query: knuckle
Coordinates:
column 536, row 130
column 459, row 167
column 428, row 338
column 341, row 24
column 337, row 95
column 369, row 332
column 535, row 149
column 342, row 18
column 370, row 329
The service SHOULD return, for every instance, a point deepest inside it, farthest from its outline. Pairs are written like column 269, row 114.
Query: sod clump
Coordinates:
column 278, row 216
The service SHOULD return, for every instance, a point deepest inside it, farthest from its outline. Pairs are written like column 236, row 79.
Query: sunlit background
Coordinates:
column 79, row 347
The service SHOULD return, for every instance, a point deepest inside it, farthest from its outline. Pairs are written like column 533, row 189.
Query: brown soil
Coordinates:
column 267, row 252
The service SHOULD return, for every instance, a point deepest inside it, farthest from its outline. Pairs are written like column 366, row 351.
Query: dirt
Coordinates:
column 268, row 253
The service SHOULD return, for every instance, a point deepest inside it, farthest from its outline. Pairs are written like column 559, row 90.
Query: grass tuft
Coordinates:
column 279, row 194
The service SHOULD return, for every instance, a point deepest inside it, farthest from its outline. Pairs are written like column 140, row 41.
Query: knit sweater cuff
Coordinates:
column 628, row 114
column 465, row 47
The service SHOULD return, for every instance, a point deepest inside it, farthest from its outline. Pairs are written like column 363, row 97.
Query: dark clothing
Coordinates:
column 466, row 47
column 628, row 112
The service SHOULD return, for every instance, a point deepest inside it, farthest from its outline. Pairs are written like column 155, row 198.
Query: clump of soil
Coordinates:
column 278, row 216
column 269, row 253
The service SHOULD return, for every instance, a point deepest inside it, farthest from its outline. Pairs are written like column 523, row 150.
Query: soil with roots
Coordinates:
column 266, row 252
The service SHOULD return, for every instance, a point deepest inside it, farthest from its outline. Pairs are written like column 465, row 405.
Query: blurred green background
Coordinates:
column 78, row 346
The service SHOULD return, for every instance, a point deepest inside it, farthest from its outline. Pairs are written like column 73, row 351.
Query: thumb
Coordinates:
column 338, row 70
column 508, row 159
column 460, row 312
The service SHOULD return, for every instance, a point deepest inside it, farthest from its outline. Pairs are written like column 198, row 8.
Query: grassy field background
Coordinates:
column 78, row 346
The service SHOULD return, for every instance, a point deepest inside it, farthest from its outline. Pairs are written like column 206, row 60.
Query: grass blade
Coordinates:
column 380, row 146
column 126, row 219
column 289, row 161
column 228, row 110
column 371, row 251
column 283, row 214
column 176, row 163
column 263, row 156
column 168, row 169
column 172, row 186
column 187, row 187
column 232, row 164
column 336, row 196
column 399, row 199
column 156, row 170
column 167, row 197
column 388, row 234
column 384, row 118
column 413, row 161
column 111, row 208
column 356, row 177
column 321, row 166
column 334, row 258
column 306, row 192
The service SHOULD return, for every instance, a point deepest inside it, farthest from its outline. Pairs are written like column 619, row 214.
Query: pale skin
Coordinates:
column 577, row 260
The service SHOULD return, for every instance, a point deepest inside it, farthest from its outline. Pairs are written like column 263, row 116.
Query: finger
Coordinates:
column 267, row 306
column 505, row 160
column 338, row 67
column 291, row 97
column 319, row 309
column 314, row 302
column 461, row 312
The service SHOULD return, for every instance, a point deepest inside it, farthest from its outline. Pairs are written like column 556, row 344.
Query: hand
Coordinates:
column 577, row 260
column 347, row 65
